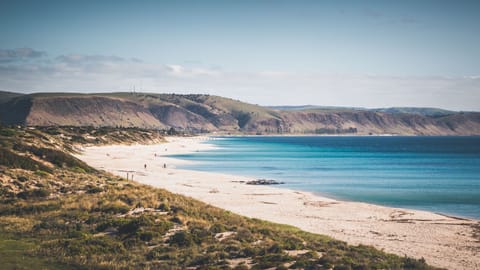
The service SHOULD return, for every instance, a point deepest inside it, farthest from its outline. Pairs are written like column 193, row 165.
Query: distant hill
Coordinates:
column 6, row 96
column 413, row 110
column 313, row 107
column 409, row 110
column 207, row 113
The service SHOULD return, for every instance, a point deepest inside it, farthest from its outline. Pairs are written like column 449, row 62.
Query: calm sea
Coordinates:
column 439, row 174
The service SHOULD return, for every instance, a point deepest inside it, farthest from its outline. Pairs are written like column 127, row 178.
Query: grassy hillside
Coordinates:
column 420, row 111
column 56, row 212
column 207, row 113
column 6, row 96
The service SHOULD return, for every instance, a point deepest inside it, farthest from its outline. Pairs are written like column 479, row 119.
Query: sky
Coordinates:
column 333, row 53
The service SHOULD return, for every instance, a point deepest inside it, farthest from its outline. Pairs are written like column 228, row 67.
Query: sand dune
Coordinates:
column 443, row 241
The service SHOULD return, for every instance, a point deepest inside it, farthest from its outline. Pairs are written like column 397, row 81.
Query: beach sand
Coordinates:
column 441, row 240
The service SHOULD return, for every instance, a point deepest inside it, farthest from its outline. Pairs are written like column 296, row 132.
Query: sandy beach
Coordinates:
column 443, row 241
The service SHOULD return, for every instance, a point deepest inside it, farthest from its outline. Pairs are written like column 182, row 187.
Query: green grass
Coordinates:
column 17, row 254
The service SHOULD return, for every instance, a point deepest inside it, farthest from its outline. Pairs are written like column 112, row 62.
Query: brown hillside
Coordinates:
column 205, row 113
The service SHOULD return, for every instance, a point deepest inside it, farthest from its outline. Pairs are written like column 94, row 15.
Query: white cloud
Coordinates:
column 97, row 73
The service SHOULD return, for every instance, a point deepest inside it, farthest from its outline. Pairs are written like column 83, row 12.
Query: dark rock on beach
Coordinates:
column 264, row 182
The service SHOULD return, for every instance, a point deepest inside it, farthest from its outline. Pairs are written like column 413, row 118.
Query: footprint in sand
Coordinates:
column 397, row 214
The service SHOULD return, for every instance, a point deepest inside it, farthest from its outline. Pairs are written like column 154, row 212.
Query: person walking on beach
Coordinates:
column 145, row 166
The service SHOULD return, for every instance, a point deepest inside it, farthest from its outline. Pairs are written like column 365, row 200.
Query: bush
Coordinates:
column 217, row 228
column 55, row 157
column 164, row 206
column 130, row 227
column 13, row 160
column 116, row 207
column 7, row 132
column 133, row 225
column 342, row 267
column 94, row 189
column 411, row 263
column 22, row 179
column 50, row 224
column 146, row 236
column 244, row 235
column 176, row 219
column 292, row 243
column 275, row 248
column 181, row 239
column 41, row 173
column 78, row 169
column 34, row 194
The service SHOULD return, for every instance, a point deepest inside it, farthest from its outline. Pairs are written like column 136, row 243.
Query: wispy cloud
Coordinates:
column 19, row 54
column 99, row 73
column 81, row 59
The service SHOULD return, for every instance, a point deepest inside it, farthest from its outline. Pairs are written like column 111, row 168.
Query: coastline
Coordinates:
column 442, row 240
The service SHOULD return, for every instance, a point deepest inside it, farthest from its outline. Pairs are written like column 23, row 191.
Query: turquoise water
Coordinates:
column 439, row 174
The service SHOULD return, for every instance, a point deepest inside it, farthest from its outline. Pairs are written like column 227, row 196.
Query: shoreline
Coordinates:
column 443, row 240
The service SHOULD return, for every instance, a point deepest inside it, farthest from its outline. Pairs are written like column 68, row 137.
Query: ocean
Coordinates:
column 438, row 174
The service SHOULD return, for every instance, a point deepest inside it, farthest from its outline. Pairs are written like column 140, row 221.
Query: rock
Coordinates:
column 264, row 182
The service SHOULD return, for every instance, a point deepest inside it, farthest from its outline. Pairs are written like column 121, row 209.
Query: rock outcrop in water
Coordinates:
column 206, row 113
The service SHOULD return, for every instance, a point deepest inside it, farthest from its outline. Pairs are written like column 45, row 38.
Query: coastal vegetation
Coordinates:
column 57, row 212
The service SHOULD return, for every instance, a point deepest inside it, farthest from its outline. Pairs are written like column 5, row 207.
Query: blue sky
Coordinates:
column 347, row 53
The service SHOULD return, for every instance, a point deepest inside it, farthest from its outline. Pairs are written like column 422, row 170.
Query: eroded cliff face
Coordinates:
column 205, row 113
column 90, row 111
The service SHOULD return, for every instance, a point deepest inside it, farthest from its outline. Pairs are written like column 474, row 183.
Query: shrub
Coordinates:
column 94, row 189
column 22, row 179
column 7, row 132
column 411, row 263
column 292, row 243
column 244, row 235
column 55, row 157
column 130, row 227
column 41, row 173
column 342, row 267
column 13, row 160
column 133, row 225
column 181, row 239
column 117, row 207
column 164, row 206
column 146, row 236
column 176, row 219
column 50, row 224
column 275, row 248
column 217, row 228
column 78, row 169
column 34, row 194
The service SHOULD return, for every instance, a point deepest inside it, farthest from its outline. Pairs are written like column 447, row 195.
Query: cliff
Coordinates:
column 206, row 113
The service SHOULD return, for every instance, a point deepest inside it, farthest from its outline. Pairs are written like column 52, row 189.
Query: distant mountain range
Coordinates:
column 207, row 113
